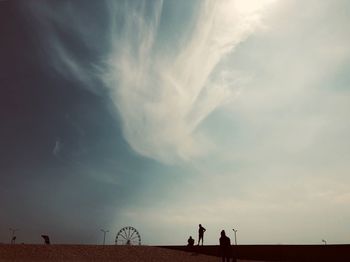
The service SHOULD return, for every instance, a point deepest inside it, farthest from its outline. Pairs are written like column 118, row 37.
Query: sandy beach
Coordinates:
column 96, row 253
column 80, row 253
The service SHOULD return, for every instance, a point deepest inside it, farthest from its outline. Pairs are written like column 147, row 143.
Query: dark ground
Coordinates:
column 302, row 253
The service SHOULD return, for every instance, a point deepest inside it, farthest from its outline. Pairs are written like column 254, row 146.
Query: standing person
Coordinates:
column 201, row 231
column 225, row 247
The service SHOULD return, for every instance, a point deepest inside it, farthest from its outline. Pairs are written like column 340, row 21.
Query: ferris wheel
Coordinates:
column 128, row 236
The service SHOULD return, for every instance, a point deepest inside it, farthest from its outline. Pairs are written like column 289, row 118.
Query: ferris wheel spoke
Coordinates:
column 129, row 233
column 135, row 240
column 132, row 233
column 126, row 234
column 124, row 237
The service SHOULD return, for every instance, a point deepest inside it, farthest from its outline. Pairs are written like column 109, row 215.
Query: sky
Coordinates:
column 165, row 114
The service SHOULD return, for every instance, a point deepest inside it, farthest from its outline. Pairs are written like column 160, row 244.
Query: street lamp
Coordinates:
column 235, row 230
column 104, row 235
column 13, row 238
column 324, row 241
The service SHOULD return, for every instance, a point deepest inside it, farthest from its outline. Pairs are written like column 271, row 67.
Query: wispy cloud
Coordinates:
column 281, row 150
column 283, row 147
column 163, row 98
column 67, row 40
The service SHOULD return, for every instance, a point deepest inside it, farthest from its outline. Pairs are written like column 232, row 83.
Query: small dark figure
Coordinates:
column 190, row 242
column 201, row 231
column 13, row 240
column 225, row 247
column 46, row 239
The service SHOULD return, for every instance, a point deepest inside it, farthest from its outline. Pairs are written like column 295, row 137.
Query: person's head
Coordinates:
column 200, row 225
column 190, row 237
column 223, row 233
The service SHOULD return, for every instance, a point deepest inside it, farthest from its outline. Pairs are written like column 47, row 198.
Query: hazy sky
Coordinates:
column 165, row 114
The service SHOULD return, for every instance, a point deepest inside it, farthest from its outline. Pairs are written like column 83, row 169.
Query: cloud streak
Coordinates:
column 281, row 149
column 163, row 98
column 283, row 146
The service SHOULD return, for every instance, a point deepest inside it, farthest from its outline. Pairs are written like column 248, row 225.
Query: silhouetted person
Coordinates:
column 46, row 239
column 225, row 247
column 13, row 240
column 190, row 242
column 201, row 231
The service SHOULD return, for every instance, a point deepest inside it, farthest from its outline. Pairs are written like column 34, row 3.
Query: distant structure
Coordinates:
column 13, row 237
column 235, row 231
column 128, row 236
column 104, row 235
column 46, row 239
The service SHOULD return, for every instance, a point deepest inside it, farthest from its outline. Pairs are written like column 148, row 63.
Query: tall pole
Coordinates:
column 104, row 235
column 13, row 230
column 235, row 231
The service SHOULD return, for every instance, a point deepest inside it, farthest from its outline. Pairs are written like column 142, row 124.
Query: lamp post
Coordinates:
column 13, row 238
column 104, row 235
column 235, row 231
column 324, row 241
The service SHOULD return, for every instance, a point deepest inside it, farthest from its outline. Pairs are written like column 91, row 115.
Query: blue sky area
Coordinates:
column 165, row 114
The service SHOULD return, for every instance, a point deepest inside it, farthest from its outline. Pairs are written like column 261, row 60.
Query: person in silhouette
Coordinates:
column 225, row 247
column 46, row 239
column 13, row 240
column 201, row 231
column 190, row 242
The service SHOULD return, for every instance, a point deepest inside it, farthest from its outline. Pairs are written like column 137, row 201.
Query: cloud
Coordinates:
column 66, row 40
column 163, row 98
column 279, row 171
column 278, row 156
